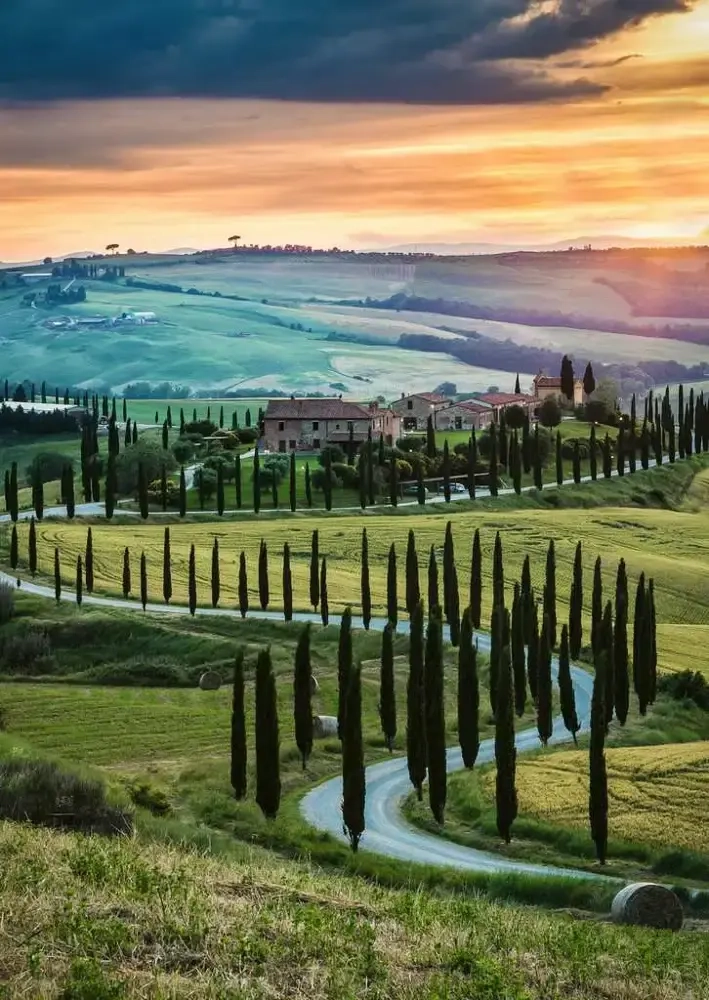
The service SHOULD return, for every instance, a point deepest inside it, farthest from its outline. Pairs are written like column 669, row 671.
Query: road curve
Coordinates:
column 387, row 783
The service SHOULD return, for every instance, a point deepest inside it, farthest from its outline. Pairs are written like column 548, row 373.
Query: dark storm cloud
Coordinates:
column 419, row 51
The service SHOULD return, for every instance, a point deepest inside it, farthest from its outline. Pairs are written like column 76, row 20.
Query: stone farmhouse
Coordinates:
column 310, row 424
column 466, row 415
column 548, row 385
column 415, row 410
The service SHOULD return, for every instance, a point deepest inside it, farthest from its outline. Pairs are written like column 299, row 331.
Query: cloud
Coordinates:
column 415, row 51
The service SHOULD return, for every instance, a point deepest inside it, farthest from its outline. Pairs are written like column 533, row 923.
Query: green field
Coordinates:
column 143, row 410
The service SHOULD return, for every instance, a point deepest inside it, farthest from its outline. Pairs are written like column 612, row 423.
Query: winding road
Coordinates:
column 387, row 783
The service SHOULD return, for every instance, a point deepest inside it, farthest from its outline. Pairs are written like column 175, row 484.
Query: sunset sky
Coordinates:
column 358, row 123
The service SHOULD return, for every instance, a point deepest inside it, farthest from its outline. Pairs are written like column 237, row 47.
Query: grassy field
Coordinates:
column 144, row 410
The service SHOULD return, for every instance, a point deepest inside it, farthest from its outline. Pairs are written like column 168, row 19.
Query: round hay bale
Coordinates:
column 324, row 726
column 210, row 681
column 645, row 904
column 314, row 686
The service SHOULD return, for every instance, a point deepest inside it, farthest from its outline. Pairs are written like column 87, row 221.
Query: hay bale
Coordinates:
column 645, row 904
column 324, row 726
column 210, row 681
column 314, row 686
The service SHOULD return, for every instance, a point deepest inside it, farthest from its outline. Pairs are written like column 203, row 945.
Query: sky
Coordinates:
column 354, row 123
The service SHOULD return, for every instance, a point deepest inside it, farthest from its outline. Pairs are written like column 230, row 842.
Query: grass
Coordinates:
column 144, row 410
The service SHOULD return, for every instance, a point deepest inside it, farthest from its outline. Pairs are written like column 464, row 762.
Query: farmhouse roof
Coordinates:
column 549, row 381
column 316, row 409
column 506, row 398
column 474, row 405
column 430, row 397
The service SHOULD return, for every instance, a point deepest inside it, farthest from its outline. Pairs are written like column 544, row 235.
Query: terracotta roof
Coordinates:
column 506, row 398
column 316, row 409
column 474, row 405
column 550, row 381
column 429, row 397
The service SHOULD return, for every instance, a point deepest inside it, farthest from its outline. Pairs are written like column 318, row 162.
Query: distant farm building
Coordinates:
column 416, row 409
column 548, row 385
column 310, row 424
column 141, row 318
column 69, row 409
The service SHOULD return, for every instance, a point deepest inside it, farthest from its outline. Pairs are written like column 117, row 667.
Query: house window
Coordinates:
column 410, row 404
column 282, row 446
column 291, row 445
column 281, row 425
column 316, row 425
column 337, row 427
column 410, row 424
column 316, row 442
column 350, row 426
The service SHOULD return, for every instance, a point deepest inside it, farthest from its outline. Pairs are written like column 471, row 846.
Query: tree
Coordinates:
column 142, row 492
column 502, row 441
column 238, row 730
column 620, row 645
column 432, row 580
column 392, row 595
column 549, row 413
column 566, row 687
column 519, row 661
column 592, row 446
column 550, row 593
column 498, row 574
column 293, row 483
column 32, row 546
column 89, row 562
column 79, row 581
column 268, row 765
column 640, row 658
column 387, row 696
column 14, row 549
column 446, row 469
column 607, row 458
column 263, row 588
column 576, row 605
column 430, row 438
column 567, row 378
column 216, row 580
column 315, row 569
column 14, row 505
column 38, row 498
column 183, row 493
column 468, row 694
column 415, row 716
column 435, row 717
column 559, row 461
column 620, row 452
column 413, row 590
column 518, row 391
column 589, row 380
column 505, row 753
column 302, row 696
column 533, row 649
column 192, row 582
column 393, row 482
column 545, row 722
column 596, row 605
column 493, row 471
column 598, row 783
column 515, row 464
column 472, row 464
column 257, row 481
column 166, row 568
column 606, row 649
column 344, row 666
column 220, row 489
column 353, row 780
column 287, row 585
column 143, row 581
column 243, row 586
column 366, row 590
column 308, row 486
column 527, row 598
column 57, row 577
column 324, row 601
column 126, row 583
column 577, row 462
column 476, row 581
column 448, row 568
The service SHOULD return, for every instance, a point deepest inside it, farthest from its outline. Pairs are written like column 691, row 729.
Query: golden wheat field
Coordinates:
column 669, row 546
column 657, row 794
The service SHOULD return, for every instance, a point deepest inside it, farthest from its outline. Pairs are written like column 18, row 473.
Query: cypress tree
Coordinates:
column 446, row 470
column 607, row 458
column 257, row 481
column 620, row 645
column 517, row 388
column 519, row 661
column 387, row 696
column 476, row 588
column 243, row 586
column 638, row 651
column 302, row 696
column 365, row 586
column 645, row 447
column 527, row 447
column 8, row 495
column 328, row 481
column 606, row 648
column 287, row 585
column 566, row 687
column 79, row 581
column 430, row 438
column 126, row 583
column 515, row 464
column 315, row 569
column 220, row 490
column 413, row 590
column 454, row 609
column 166, row 568
column 393, row 483
column 468, row 694
column 57, row 577
column 435, row 717
column 498, row 575
column 533, row 650
column 538, row 471
column 142, row 491
column 448, row 567
column 268, row 764
column 598, row 783
column 128, row 437
column 263, row 588
column 238, row 730
column 344, row 666
column 596, row 605
column 353, row 780
column 183, row 492
column 168, row 415
column 381, row 457
column 415, row 716
column 293, row 484
column 472, row 464
column 527, row 599
column 420, row 485
column 14, row 548
column 559, row 461
column 165, row 436
column 493, row 471
column 576, row 606
column 89, row 562
column 671, row 443
column 620, row 452
column 505, row 753
column 631, row 449
column 652, row 644
column 135, row 432
column 545, row 723
column 308, row 486
column 143, row 581
column 216, row 580
column 392, row 588
column 32, row 544
column 70, row 497
column 550, row 593
column 577, row 462
column 681, row 437
column 502, row 441
column 432, row 580
column 38, row 497
column 237, row 481
column 592, row 453
column 192, row 582
column 370, row 467
column 496, row 627
column 324, row 601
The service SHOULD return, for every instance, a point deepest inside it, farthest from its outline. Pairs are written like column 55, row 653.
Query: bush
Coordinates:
column 27, row 652
column 567, row 447
column 549, row 413
column 515, row 417
column 337, row 454
column 7, row 603
column 409, row 444
column 226, row 463
column 39, row 792
column 206, row 481
column 317, row 479
column 687, row 685
column 597, row 411
column 248, row 435
column 48, row 466
column 347, row 475
column 151, row 455
column 183, row 450
column 205, row 428
column 147, row 796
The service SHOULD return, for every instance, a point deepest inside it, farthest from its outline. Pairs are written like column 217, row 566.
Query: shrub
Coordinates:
column 151, row 455
column 347, row 474
column 687, row 685
column 248, row 435
column 337, row 455
column 413, row 443
column 27, row 652
column 226, row 463
column 515, row 417
column 183, row 450
column 318, row 480
column 549, row 413
column 205, row 428
column 147, row 796
column 39, row 792
column 47, row 466
column 567, row 447
column 7, row 603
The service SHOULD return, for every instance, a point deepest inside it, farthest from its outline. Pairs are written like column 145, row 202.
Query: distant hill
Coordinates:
column 596, row 242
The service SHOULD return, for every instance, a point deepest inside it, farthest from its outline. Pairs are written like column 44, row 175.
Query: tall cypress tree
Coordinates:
column 550, row 593
column 498, row 574
column 287, row 584
column 415, row 715
column 505, row 753
column 344, row 667
column 79, row 581
column 430, row 438
column 32, row 546
column 328, row 481
column 519, row 661
column 257, row 481
column 527, row 598
column 392, row 587
column 559, row 461
column 393, row 482
column 70, row 497
column 496, row 628
column 135, row 432
column 598, row 783
column 515, row 464
column 237, row 482
column 14, row 548
column 89, row 562
column 268, row 750
column 420, row 485
column 606, row 648
column 620, row 452
column 165, row 436
column 192, row 582
column 324, row 599
column 607, row 458
column 220, row 490
column 293, row 484
column 545, row 722
column 353, row 780
column 216, row 576
column 263, row 588
column 538, row 467
column 308, row 486
column 446, row 470
column 238, row 730
column 620, row 645
column 435, row 717
column 166, row 568
column 533, row 649
column 126, row 582
column 472, row 464
column 302, row 696
column 38, row 497
column 493, row 469
column 142, row 491
column 143, row 581
column 468, row 694
column 454, row 609
column 527, row 448
column 592, row 453
column 448, row 568
column 476, row 588
column 413, row 590
column 387, row 695
column 365, row 585
column 577, row 462
column 57, row 577
column 652, row 641
column 183, row 492
column 243, row 586
column 433, row 599
column 596, row 604
column 576, row 606
column 566, row 687
column 315, row 569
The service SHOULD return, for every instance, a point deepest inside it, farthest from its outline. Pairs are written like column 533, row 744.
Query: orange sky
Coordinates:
column 155, row 174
